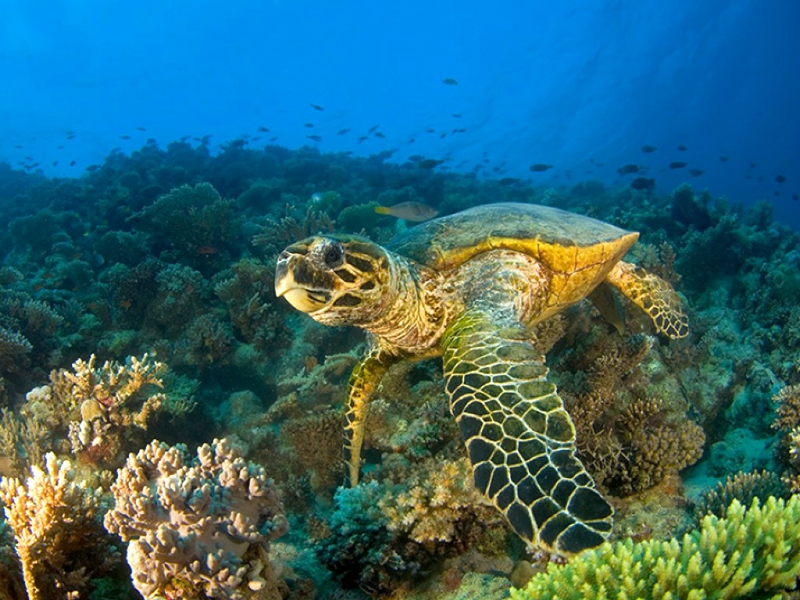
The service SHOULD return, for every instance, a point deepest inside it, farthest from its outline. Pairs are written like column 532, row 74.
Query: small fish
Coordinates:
column 449, row 81
column 206, row 250
column 343, row 131
column 362, row 138
column 379, row 134
column 442, row 135
column 92, row 168
column 508, row 181
column 263, row 129
column 649, row 149
column 678, row 164
column 795, row 197
column 682, row 148
column 752, row 165
column 317, row 107
column 316, row 138
column 780, row 178
column 459, row 130
column 72, row 163
column 539, row 167
column 643, row 183
column 18, row 146
column 628, row 169
column 429, row 163
column 309, row 125
column 140, row 128
column 408, row 211
column 373, row 129
column 411, row 141
column 416, row 157
column 723, row 158
column 124, row 137
column 273, row 138
column 55, row 163
column 430, row 130
column 696, row 172
column 457, row 115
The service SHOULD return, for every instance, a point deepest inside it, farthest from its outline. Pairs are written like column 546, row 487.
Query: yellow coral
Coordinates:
column 750, row 551
column 436, row 500
column 55, row 520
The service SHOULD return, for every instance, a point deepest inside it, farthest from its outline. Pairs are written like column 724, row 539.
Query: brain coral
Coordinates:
column 197, row 527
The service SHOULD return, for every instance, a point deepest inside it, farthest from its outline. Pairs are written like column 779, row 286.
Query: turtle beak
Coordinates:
column 302, row 298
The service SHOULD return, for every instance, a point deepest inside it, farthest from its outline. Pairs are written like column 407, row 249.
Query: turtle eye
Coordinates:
column 333, row 256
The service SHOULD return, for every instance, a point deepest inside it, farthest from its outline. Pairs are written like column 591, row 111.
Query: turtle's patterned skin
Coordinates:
column 467, row 287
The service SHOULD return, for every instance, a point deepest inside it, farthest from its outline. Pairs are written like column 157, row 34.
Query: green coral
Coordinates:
column 755, row 550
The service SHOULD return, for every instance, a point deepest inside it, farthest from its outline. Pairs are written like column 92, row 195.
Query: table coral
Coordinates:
column 751, row 551
column 58, row 535
column 197, row 526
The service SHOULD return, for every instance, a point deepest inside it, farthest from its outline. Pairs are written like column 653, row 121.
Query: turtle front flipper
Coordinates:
column 364, row 379
column 520, row 438
column 653, row 295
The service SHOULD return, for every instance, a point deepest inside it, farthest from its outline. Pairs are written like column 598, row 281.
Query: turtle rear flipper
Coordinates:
column 653, row 295
column 520, row 439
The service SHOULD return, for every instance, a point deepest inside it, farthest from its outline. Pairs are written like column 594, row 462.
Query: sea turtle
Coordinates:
column 467, row 287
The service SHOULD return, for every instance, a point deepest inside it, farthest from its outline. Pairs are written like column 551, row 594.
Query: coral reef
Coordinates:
column 743, row 487
column 58, row 534
column 436, row 501
column 197, row 527
column 751, row 551
column 97, row 412
column 170, row 251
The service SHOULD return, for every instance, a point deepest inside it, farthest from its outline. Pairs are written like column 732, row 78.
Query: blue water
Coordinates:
column 578, row 85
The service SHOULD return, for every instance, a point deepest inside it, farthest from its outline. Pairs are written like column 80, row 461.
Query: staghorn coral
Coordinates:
column 58, row 534
column 754, row 550
column 201, row 526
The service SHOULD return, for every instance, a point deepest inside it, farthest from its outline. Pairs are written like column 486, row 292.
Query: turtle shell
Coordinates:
column 577, row 250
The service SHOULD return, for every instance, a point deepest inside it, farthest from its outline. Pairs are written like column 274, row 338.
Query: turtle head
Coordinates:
column 338, row 280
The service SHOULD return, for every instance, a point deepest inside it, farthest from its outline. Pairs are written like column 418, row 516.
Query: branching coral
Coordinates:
column 788, row 423
column 102, row 409
column 653, row 447
column 197, row 527
column 317, row 443
column 744, row 487
column 58, row 533
column 751, row 551
column 436, row 500
column 194, row 221
column 629, row 441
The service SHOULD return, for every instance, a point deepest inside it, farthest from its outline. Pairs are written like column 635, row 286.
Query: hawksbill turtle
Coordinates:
column 467, row 287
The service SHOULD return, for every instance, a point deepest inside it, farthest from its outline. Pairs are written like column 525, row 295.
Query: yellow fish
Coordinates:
column 409, row 211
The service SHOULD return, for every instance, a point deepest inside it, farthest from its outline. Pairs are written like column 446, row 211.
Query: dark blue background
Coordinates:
column 553, row 82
